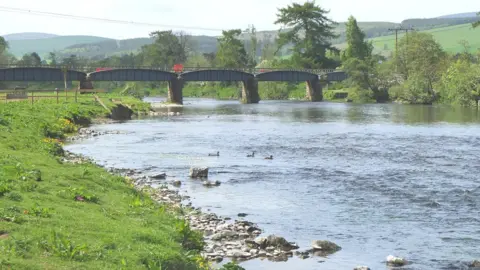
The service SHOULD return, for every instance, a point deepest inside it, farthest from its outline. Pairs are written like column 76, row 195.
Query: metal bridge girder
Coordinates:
column 216, row 75
column 39, row 74
column 131, row 75
column 286, row 76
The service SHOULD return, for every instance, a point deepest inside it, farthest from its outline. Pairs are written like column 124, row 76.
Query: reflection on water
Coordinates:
column 376, row 179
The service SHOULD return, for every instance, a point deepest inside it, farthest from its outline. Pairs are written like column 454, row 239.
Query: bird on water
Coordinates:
column 252, row 155
column 270, row 157
column 214, row 155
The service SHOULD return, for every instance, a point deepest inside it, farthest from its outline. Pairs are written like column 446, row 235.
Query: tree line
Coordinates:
column 419, row 72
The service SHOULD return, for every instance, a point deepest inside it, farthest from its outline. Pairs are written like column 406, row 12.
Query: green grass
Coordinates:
column 43, row 226
column 448, row 37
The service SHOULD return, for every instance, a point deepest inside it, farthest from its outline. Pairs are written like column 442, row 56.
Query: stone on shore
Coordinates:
column 198, row 172
column 177, row 183
column 396, row 261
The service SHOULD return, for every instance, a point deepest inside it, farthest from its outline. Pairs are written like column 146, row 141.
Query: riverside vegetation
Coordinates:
column 57, row 214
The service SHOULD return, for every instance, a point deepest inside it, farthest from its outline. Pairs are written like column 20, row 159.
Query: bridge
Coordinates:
column 249, row 77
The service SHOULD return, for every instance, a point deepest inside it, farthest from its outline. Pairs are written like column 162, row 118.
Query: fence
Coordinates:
column 18, row 95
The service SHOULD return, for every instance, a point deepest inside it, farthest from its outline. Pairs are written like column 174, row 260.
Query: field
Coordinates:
column 448, row 37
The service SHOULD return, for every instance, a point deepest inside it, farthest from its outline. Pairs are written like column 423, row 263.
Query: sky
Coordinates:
column 211, row 15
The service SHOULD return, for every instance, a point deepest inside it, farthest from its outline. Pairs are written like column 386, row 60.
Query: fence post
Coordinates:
column 32, row 96
column 56, row 90
column 76, row 90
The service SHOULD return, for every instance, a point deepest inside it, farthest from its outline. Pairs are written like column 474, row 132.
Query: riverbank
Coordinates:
column 225, row 239
column 61, row 214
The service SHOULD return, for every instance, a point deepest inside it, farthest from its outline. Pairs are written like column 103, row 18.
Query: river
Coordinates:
column 376, row 179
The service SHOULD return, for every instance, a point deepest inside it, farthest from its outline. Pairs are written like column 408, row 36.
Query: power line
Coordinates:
column 69, row 16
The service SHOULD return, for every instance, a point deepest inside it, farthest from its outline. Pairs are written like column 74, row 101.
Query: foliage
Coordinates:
column 477, row 23
column 421, row 61
column 231, row 266
column 3, row 45
column 168, row 49
column 231, row 52
column 357, row 94
column 460, row 84
column 357, row 47
column 309, row 50
column 252, row 52
column 47, row 222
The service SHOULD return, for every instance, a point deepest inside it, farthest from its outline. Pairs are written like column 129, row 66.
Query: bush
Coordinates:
column 360, row 95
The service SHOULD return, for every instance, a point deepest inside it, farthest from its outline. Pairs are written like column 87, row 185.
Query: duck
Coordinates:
column 252, row 155
column 270, row 157
column 214, row 155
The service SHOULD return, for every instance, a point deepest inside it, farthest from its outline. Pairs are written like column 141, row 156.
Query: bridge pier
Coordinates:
column 175, row 91
column 85, row 84
column 314, row 90
column 250, row 91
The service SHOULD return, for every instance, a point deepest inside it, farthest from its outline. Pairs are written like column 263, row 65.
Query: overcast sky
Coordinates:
column 208, row 14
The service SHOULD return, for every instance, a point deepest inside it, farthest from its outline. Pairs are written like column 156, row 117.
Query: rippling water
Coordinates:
column 375, row 179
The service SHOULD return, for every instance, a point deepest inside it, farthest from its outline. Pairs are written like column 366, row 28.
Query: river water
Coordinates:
column 376, row 179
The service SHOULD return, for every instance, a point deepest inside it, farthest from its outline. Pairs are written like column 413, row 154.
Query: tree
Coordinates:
column 460, row 84
column 231, row 52
column 3, row 45
column 71, row 61
column 52, row 56
column 252, row 52
column 357, row 47
column 311, row 34
column 477, row 23
column 421, row 55
column 32, row 59
column 167, row 50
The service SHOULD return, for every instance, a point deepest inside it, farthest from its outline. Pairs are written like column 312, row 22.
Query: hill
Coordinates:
column 100, row 47
column 28, row 35
column 449, row 37
column 45, row 45
column 460, row 15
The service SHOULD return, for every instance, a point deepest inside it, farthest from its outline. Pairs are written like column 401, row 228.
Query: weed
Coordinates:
column 63, row 247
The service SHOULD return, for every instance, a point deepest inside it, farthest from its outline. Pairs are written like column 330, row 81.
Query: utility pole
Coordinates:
column 401, row 28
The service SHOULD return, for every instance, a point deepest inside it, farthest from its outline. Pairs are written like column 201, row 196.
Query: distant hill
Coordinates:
column 459, row 15
column 449, row 37
column 45, row 45
column 100, row 47
column 29, row 35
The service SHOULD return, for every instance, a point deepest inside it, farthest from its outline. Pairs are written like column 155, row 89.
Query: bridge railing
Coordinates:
column 93, row 68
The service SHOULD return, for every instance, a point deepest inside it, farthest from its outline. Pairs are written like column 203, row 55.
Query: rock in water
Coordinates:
column 361, row 268
column 201, row 172
column 475, row 264
column 280, row 242
column 159, row 176
column 396, row 261
column 325, row 246
column 177, row 183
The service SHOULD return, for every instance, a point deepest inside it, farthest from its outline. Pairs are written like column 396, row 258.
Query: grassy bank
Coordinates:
column 56, row 215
